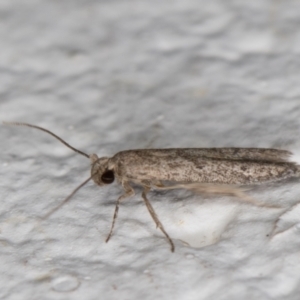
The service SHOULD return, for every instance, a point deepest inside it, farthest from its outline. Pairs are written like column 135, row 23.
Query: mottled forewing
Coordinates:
column 250, row 154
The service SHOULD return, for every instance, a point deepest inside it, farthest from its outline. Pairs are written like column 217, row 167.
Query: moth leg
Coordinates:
column 158, row 184
column 128, row 192
column 216, row 189
column 229, row 190
column 275, row 226
column 154, row 216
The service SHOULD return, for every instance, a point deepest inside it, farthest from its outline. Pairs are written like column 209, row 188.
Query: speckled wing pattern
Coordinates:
column 208, row 165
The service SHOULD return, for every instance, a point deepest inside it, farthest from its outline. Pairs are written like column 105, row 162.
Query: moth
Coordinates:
column 201, row 170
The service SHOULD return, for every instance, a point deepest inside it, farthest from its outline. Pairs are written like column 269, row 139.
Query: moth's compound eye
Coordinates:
column 108, row 177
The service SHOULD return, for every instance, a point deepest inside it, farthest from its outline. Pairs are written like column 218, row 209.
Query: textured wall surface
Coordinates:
column 115, row 75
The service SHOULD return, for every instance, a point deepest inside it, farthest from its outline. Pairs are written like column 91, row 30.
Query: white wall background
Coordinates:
column 115, row 75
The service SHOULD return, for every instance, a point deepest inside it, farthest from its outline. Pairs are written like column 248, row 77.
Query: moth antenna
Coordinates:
column 70, row 196
column 48, row 131
column 66, row 199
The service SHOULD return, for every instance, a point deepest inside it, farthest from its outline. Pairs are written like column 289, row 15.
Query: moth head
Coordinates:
column 99, row 170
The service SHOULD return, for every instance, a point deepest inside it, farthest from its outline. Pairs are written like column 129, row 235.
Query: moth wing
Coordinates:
column 250, row 154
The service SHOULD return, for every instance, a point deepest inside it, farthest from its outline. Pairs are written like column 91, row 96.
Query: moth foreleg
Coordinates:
column 129, row 191
column 154, row 216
